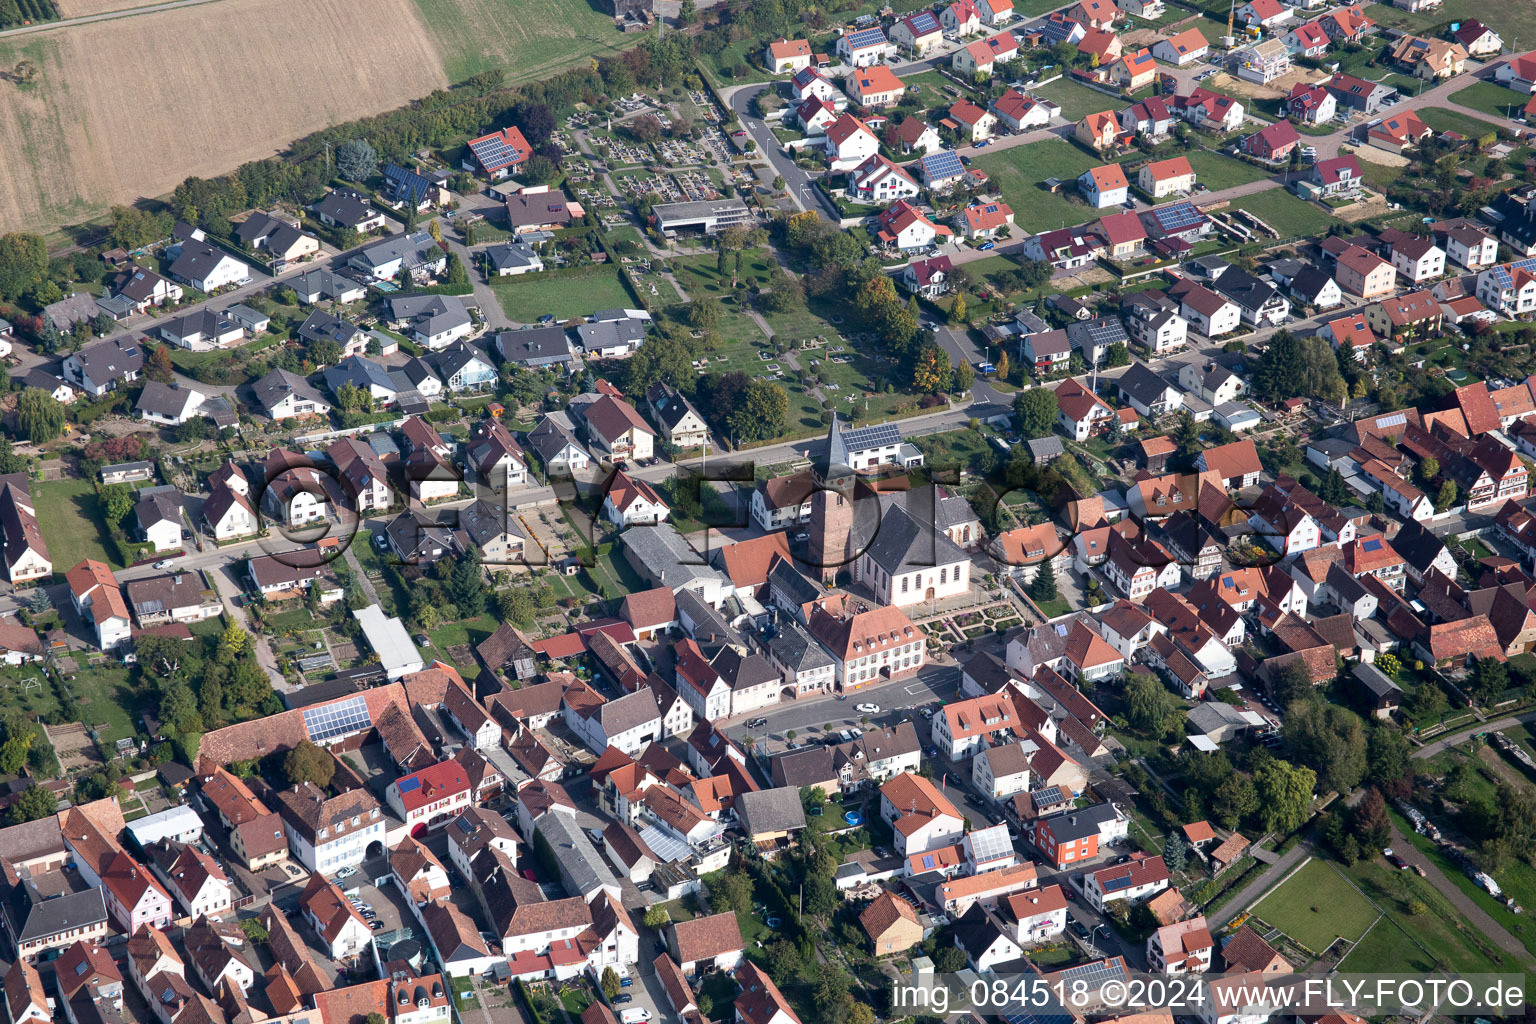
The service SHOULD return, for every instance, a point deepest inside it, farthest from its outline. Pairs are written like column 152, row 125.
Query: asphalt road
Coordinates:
column 799, row 184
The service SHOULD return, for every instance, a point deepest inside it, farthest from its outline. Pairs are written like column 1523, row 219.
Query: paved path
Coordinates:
column 1452, row 739
column 1251, row 892
column 1474, row 915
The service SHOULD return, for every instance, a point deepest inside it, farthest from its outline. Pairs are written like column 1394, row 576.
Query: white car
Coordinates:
column 635, row 1015
column 346, row 870
column 867, row 709
column 164, row 563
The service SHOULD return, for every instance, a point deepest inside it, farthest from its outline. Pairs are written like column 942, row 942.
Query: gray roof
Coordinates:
column 429, row 314
column 455, row 357
column 363, row 373
column 196, row 259
column 162, row 506
column 346, row 207
column 742, row 672
column 550, row 437
column 515, row 253
column 630, row 711
column 205, row 323
column 414, row 250
column 1080, row 823
column 610, row 333
column 709, row 627
column 65, row 312
column 1369, row 676
column 1243, row 288
column 1143, row 385
column 770, row 810
column 794, row 648
column 279, row 384
column 483, row 522
column 1043, row 449
column 111, row 359
column 905, row 544
column 662, row 555
column 669, row 404
column 320, row 324
column 573, row 851
column 33, row 917
column 155, row 594
column 163, row 399
column 535, row 346
column 798, row 768
column 325, row 282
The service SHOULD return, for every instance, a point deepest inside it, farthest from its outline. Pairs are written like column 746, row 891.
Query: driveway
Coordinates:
column 796, row 180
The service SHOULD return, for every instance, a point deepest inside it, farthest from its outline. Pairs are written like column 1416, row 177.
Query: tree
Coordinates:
column 655, row 918
column 1386, row 754
column 931, row 372
column 957, row 309
column 610, row 983
column 1285, row 794
column 257, row 932
column 13, row 753
column 1234, row 800
column 234, row 641
column 784, row 961
column 455, row 273
column 34, row 802
column 23, row 263
column 159, row 366
column 1003, row 366
column 1489, row 680
column 1175, row 851
column 1148, row 707
column 685, row 11
column 761, row 414
column 466, row 585
column 861, row 1013
column 948, row 960
column 703, row 314
column 1043, row 587
column 1446, row 497
column 961, row 378
column 1117, row 355
column 1280, row 368
column 1290, row 684
column 731, row 891
column 1328, row 739
column 1369, row 823
column 117, row 500
column 39, row 415
column 1333, row 489
column 309, row 763
column 1034, row 412
column 356, row 160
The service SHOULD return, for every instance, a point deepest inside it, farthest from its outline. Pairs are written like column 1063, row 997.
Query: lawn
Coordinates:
column 1217, row 172
column 1317, row 905
column 561, row 294
column 1019, row 172
column 1491, row 98
column 1286, row 214
column 72, row 523
column 455, row 634
column 699, row 275
column 105, row 698
column 1438, row 939
column 1442, row 120
column 523, row 39
column 1076, row 101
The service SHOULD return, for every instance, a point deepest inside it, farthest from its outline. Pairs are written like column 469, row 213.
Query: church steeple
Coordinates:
column 833, row 466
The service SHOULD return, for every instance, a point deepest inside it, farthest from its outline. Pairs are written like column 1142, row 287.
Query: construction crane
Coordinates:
column 1229, row 40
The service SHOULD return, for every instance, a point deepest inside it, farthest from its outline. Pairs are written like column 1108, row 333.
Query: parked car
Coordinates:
column 987, row 245
column 867, row 709
column 164, row 563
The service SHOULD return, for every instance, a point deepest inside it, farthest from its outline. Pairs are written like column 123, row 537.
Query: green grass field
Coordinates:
column 1438, row 939
column 1442, row 120
column 72, row 523
column 525, row 39
column 1076, row 101
column 1018, row 174
column 1315, row 906
column 1491, row 98
column 699, row 275
column 1510, row 20
column 1217, row 172
column 1285, row 213
column 562, row 294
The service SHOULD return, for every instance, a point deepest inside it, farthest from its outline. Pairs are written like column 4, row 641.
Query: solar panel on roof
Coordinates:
column 1178, row 216
column 410, row 785
column 1046, row 795
column 1116, row 884
column 872, row 437
column 338, row 719
column 924, row 21
column 943, row 165
column 1372, row 545
column 928, row 861
column 866, row 37
column 1094, row 974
